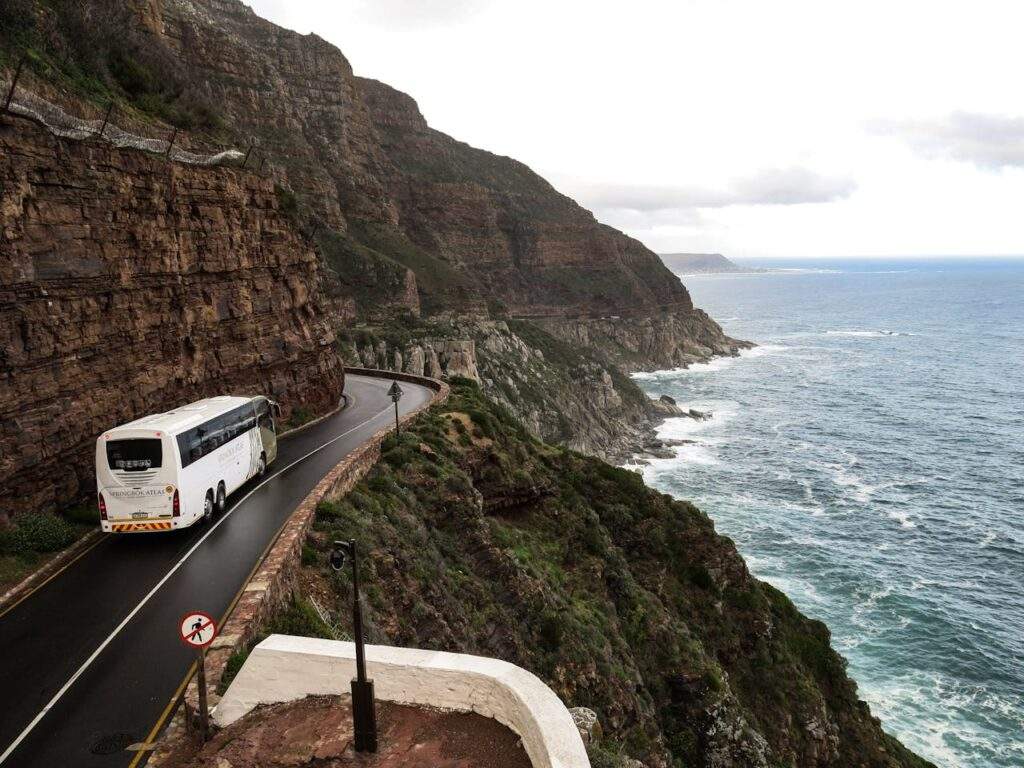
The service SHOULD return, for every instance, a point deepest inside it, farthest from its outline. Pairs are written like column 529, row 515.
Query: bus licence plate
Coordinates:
column 139, row 515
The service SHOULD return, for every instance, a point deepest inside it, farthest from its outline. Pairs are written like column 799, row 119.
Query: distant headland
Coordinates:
column 703, row 264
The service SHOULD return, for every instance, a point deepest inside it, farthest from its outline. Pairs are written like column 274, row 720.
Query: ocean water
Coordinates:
column 868, row 459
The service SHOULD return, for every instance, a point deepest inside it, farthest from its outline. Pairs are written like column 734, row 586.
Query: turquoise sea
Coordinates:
column 868, row 459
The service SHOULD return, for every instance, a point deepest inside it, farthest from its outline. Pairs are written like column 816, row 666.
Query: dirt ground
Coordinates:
column 317, row 731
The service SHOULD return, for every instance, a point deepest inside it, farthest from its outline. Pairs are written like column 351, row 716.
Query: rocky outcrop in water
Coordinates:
column 649, row 342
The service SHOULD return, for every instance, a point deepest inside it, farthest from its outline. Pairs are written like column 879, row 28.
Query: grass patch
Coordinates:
column 299, row 416
column 33, row 538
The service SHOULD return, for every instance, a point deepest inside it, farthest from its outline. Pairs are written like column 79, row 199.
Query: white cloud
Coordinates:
column 646, row 208
column 991, row 142
column 771, row 186
column 419, row 13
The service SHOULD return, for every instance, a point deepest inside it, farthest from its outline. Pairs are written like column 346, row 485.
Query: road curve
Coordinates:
column 89, row 661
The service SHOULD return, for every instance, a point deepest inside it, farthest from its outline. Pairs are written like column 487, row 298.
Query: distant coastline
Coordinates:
column 705, row 264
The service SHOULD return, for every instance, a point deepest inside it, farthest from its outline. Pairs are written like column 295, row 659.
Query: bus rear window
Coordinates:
column 134, row 455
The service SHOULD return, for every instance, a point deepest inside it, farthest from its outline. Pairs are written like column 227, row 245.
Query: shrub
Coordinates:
column 328, row 510
column 309, row 555
column 286, row 201
column 37, row 532
column 299, row 416
column 83, row 514
column 461, row 381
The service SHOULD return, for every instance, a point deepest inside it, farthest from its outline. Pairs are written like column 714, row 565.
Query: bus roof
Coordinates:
column 185, row 416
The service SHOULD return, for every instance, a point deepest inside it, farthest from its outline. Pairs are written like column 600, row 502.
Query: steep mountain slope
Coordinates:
column 478, row 538
column 481, row 232
column 525, row 245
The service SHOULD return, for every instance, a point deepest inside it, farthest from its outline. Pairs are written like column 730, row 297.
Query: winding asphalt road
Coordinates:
column 90, row 661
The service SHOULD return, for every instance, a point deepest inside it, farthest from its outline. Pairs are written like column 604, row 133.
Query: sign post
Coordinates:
column 395, row 393
column 197, row 630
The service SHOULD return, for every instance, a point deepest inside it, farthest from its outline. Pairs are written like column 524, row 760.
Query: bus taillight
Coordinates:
column 176, row 505
column 103, row 507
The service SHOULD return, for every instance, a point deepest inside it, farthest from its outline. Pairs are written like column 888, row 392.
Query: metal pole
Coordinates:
column 14, row 83
column 247, row 153
column 397, row 430
column 170, row 144
column 364, row 715
column 357, row 617
column 204, row 712
column 106, row 118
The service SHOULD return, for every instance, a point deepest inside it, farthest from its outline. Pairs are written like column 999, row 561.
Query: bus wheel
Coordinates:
column 222, row 499
column 208, row 507
column 261, row 468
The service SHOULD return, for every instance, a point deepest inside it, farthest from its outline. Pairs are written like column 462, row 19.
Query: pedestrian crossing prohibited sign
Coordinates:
column 198, row 629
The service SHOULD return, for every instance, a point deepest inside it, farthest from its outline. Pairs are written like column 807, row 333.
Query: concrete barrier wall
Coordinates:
column 285, row 668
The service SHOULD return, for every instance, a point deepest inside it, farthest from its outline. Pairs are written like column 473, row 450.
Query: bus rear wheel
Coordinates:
column 208, row 507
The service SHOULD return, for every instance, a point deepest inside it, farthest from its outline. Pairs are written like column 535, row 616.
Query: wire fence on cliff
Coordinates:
column 70, row 117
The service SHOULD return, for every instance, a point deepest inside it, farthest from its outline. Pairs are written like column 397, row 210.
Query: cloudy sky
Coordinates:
column 753, row 128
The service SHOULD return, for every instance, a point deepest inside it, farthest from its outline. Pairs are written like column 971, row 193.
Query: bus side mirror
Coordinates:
column 275, row 408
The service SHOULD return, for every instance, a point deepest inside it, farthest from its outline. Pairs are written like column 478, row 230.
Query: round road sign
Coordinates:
column 197, row 629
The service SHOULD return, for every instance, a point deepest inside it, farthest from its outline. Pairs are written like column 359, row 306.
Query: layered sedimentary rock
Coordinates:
column 525, row 245
column 129, row 285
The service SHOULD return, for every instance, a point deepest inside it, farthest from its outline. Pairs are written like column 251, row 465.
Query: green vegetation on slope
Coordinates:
column 481, row 539
column 93, row 50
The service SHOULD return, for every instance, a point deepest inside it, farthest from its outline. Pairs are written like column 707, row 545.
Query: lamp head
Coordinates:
column 341, row 551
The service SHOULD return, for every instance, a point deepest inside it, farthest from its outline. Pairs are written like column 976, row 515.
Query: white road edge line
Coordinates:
column 85, row 665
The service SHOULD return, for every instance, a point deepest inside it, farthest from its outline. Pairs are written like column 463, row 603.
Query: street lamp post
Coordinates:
column 364, row 713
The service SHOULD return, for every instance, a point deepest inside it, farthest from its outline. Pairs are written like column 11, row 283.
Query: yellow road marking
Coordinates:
column 163, row 716
column 161, row 721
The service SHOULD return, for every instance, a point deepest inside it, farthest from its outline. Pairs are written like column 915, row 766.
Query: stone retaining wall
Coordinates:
column 274, row 579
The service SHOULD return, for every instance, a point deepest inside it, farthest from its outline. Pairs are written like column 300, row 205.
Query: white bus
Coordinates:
column 171, row 470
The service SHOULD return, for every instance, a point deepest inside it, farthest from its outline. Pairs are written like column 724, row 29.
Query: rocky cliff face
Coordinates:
column 129, row 285
column 561, row 393
column 525, row 246
column 642, row 342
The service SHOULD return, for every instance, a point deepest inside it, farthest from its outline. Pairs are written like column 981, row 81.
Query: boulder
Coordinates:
column 587, row 724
